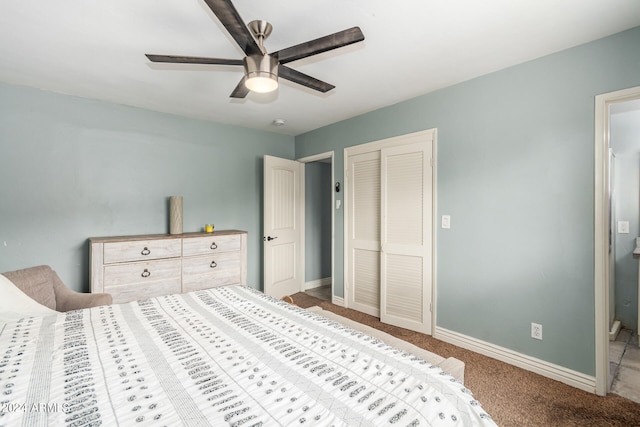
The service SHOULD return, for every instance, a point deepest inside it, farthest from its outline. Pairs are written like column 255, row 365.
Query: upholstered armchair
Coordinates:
column 44, row 286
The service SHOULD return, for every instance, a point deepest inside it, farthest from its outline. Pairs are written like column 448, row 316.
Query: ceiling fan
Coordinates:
column 262, row 69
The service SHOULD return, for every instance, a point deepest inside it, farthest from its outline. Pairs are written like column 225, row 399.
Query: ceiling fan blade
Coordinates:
column 171, row 59
column 230, row 18
column 323, row 44
column 303, row 79
column 241, row 91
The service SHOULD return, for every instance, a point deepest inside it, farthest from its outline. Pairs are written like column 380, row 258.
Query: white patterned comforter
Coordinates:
column 225, row 356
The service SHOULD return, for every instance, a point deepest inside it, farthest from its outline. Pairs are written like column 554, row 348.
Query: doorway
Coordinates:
column 624, row 126
column 318, row 228
column 318, row 225
column 606, row 227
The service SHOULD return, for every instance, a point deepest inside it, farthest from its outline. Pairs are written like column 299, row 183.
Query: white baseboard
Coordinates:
column 317, row 283
column 559, row 373
column 615, row 329
column 338, row 301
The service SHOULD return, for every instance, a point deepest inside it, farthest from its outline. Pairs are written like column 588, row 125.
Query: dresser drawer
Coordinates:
column 210, row 244
column 210, row 271
column 141, row 272
column 139, row 250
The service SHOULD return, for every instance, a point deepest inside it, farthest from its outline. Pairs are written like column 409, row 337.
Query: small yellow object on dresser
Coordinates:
column 208, row 228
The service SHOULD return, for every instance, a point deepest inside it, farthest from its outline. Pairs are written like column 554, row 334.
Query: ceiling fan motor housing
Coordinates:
column 261, row 66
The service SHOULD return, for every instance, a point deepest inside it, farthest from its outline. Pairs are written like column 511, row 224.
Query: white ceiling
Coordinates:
column 95, row 49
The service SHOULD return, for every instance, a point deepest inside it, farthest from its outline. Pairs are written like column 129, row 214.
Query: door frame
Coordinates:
column 310, row 159
column 378, row 145
column 601, row 232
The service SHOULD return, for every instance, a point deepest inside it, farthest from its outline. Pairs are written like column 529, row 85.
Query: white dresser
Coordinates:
column 135, row 267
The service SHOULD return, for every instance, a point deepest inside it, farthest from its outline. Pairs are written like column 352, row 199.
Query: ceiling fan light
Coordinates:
column 261, row 73
column 261, row 84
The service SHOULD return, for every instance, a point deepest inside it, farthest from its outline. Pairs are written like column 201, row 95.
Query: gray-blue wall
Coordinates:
column 516, row 174
column 72, row 168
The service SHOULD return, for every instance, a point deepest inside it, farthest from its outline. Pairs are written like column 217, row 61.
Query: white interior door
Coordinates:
column 363, row 216
column 282, row 227
column 406, row 235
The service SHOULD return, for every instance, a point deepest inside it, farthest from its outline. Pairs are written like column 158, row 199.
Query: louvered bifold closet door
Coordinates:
column 364, row 233
column 406, row 184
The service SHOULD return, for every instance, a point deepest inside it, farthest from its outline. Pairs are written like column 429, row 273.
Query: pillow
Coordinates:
column 15, row 304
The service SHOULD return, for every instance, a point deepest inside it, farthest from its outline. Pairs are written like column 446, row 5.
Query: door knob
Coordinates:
column 269, row 238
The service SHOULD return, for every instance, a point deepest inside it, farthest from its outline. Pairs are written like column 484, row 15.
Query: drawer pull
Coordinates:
column 214, row 246
column 145, row 251
column 146, row 273
column 213, row 264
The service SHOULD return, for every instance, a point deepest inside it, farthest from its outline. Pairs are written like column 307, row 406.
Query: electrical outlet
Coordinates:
column 536, row 331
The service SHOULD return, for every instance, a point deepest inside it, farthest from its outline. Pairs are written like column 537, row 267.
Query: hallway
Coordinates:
column 321, row 292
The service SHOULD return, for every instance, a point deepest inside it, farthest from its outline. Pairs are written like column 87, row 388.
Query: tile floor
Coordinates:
column 624, row 365
column 322, row 292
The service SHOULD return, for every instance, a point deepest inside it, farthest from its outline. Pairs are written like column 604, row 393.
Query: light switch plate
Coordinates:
column 623, row 227
column 446, row 221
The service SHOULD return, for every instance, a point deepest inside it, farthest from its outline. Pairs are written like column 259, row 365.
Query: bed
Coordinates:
column 223, row 356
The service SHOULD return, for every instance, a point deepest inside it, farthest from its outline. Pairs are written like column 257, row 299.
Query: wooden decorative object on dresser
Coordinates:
column 135, row 267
